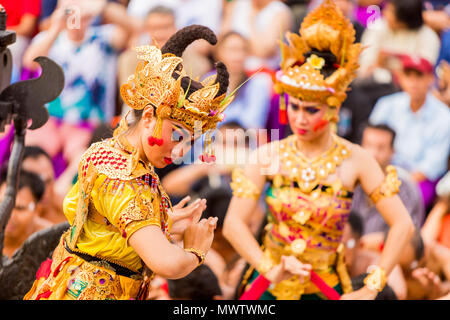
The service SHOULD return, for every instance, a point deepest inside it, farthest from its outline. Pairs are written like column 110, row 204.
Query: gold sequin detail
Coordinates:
column 389, row 187
column 308, row 173
column 242, row 186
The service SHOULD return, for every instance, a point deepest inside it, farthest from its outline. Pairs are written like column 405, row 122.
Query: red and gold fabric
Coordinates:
column 115, row 195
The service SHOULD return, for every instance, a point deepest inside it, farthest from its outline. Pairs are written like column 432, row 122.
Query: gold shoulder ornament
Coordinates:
column 242, row 186
column 389, row 187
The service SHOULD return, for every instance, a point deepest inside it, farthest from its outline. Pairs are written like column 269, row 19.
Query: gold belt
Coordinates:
column 320, row 260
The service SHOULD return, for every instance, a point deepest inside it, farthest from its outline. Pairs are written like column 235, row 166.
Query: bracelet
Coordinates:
column 264, row 265
column 376, row 280
column 200, row 255
column 388, row 188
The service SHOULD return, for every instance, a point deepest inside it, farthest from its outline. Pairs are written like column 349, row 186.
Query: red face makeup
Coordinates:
column 306, row 118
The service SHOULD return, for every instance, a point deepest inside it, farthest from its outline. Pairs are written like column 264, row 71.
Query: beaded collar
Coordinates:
column 308, row 173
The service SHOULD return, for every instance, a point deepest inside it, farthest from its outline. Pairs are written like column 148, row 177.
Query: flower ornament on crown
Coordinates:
column 324, row 30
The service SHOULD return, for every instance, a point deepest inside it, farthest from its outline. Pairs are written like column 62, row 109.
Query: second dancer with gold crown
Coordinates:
column 311, row 175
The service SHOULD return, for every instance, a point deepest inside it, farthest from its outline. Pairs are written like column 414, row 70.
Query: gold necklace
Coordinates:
column 308, row 173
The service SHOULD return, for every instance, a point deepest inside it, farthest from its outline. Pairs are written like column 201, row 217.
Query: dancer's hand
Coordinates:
column 288, row 267
column 182, row 216
column 430, row 282
column 361, row 294
column 199, row 234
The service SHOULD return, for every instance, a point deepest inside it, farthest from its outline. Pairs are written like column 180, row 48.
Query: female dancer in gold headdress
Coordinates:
column 119, row 214
column 311, row 175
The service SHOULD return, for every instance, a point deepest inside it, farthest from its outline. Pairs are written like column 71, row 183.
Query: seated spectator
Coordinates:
column 22, row 17
column 437, row 15
column 419, row 254
column 187, row 12
column 262, row 22
column 401, row 31
column 88, row 56
column 430, row 283
column 358, row 259
column 200, row 284
column 198, row 175
column 36, row 160
column 255, row 94
column 212, row 181
column 379, row 140
column 24, row 219
column 436, row 262
column 420, row 122
column 442, row 91
column 354, row 114
column 444, row 54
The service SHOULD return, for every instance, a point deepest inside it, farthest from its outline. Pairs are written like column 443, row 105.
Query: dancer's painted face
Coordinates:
column 307, row 119
column 177, row 140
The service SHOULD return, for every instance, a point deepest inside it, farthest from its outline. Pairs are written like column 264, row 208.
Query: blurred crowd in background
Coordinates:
column 398, row 109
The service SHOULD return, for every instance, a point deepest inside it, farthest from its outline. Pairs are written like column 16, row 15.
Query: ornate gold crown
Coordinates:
column 325, row 30
column 153, row 84
column 160, row 81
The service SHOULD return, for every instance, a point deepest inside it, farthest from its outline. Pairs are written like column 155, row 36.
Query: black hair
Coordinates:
column 101, row 132
column 200, row 284
column 29, row 180
column 409, row 12
column 383, row 127
column 356, row 223
column 386, row 294
column 34, row 152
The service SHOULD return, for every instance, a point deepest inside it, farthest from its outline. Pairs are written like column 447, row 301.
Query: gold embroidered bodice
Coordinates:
column 306, row 214
column 126, row 193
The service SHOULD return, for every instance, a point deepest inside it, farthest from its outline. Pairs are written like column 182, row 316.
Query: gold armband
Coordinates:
column 200, row 255
column 389, row 187
column 242, row 186
column 376, row 280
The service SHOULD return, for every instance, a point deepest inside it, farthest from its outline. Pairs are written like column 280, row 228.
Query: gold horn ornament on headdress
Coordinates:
column 325, row 29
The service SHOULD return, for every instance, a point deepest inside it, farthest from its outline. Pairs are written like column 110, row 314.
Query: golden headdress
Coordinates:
column 160, row 81
column 305, row 73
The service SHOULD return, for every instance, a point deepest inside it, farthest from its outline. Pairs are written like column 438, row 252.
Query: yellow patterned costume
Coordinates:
column 307, row 204
column 306, row 217
column 117, row 193
column 121, row 195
